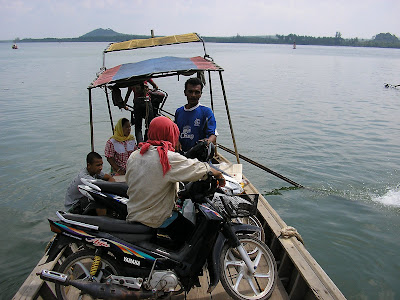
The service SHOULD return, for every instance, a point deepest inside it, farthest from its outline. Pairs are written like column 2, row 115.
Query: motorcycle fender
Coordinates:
column 56, row 245
column 213, row 260
column 245, row 228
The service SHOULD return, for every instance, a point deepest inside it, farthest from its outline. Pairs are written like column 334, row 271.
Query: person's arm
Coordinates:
column 178, row 146
column 109, row 153
column 116, row 168
column 128, row 93
column 153, row 84
column 211, row 127
column 186, row 169
column 212, row 139
column 108, row 177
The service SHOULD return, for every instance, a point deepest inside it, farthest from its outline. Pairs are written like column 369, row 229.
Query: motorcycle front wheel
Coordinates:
column 236, row 279
column 253, row 220
column 77, row 267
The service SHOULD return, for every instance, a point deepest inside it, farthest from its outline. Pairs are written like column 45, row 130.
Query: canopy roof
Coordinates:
column 152, row 42
column 155, row 67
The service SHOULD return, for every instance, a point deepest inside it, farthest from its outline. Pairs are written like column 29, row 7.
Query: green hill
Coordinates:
column 101, row 32
column 97, row 35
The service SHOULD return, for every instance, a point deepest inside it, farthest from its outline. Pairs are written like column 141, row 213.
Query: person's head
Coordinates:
column 122, row 130
column 94, row 163
column 141, row 88
column 163, row 129
column 193, row 91
column 126, row 126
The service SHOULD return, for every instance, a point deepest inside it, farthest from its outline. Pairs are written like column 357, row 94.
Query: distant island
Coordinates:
column 381, row 40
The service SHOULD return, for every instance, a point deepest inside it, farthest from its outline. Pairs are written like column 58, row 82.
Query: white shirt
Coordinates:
column 152, row 195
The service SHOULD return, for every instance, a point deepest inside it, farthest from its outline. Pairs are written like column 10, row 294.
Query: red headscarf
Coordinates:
column 165, row 134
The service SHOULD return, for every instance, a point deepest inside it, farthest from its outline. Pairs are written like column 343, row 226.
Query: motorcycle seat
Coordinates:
column 111, row 225
column 116, row 188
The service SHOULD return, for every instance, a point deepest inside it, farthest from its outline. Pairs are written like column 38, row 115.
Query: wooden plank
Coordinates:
column 30, row 288
column 219, row 292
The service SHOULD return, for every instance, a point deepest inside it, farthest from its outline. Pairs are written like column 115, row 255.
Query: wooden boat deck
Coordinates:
column 35, row 288
column 300, row 276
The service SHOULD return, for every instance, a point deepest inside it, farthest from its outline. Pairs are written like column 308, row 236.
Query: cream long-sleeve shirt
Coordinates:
column 152, row 195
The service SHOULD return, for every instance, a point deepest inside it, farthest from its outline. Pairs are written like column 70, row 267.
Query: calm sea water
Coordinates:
column 317, row 115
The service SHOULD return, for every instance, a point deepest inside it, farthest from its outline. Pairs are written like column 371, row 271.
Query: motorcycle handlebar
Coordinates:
column 199, row 190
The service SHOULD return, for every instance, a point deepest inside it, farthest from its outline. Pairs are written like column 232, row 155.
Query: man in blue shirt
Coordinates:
column 195, row 121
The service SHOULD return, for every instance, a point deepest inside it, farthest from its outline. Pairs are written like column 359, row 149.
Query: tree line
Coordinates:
column 381, row 40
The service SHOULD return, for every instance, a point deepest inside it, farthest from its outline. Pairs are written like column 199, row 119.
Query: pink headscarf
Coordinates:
column 165, row 134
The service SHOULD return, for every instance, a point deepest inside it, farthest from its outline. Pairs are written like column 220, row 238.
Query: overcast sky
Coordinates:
column 73, row 18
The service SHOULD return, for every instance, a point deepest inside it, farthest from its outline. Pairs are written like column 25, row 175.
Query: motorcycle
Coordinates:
column 113, row 197
column 118, row 260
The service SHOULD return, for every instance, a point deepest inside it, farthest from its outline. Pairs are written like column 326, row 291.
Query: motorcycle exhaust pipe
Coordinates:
column 110, row 291
column 96, row 289
column 55, row 277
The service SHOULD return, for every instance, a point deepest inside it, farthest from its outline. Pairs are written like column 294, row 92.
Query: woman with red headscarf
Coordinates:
column 153, row 172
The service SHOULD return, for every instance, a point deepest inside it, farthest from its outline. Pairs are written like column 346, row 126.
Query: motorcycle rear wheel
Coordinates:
column 77, row 266
column 235, row 277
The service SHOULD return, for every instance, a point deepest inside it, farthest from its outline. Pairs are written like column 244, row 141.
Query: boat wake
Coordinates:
column 391, row 198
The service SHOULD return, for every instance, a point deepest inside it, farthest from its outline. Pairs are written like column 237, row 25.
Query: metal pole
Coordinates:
column 211, row 93
column 229, row 117
column 109, row 109
column 254, row 163
column 204, row 47
column 91, row 120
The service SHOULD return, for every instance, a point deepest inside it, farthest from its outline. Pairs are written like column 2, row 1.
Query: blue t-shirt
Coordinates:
column 194, row 124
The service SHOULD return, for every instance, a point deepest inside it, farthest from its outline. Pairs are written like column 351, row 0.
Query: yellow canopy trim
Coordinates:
column 151, row 42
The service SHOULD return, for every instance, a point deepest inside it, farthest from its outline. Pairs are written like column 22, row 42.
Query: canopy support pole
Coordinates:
column 211, row 93
column 109, row 109
column 91, row 120
column 204, row 46
column 229, row 117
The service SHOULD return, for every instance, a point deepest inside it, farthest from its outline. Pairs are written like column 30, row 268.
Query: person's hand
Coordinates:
column 178, row 146
column 121, row 171
column 221, row 180
column 219, row 176
column 205, row 140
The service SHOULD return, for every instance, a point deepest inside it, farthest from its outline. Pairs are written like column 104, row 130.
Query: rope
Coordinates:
column 289, row 231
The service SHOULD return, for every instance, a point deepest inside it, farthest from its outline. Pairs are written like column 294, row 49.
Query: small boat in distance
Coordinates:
column 14, row 46
column 294, row 45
